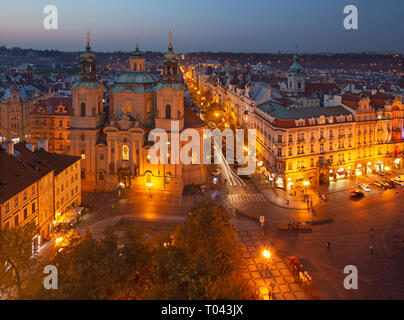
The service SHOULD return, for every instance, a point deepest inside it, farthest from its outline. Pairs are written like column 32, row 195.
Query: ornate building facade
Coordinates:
column 114, row 147
column 50, row 119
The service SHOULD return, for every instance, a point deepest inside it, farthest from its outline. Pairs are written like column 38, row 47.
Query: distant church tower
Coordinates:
column 88, row 116
column 296, row 78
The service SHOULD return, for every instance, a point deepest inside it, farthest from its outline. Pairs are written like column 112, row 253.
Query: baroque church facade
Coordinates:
column 114, row 147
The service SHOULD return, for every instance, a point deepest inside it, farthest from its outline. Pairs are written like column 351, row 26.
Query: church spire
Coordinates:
column 170, row 40
column 88, row 48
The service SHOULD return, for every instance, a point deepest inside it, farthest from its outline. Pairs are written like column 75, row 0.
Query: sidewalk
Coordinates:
column 271, row 276
column 294, row 199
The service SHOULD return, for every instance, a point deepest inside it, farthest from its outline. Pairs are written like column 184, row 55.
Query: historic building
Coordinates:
column 325, row 144
column 114, row 147
column 14, row 116
column 35, row 185
column 50, row 119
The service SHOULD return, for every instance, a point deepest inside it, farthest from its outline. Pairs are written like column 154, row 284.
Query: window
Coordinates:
column 83, row 174
column 311, row 162
column 127, row 107
column 25, row 196
column 16, row 202
column 101, row 156
column 60, row 123
column 125, row 153
column 280, row 152
column 7, row 208
column 290, row 151
column 280, row 139
column 148, row 107
column 32, row 190
column 33, row 207
column 100, row 177
column 25, row 213
column 168, row 111
column 16, row 220
column 290, row 166
column 83, row 109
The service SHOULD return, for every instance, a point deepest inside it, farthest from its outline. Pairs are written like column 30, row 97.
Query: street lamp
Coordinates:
column 266, row 255
column 149, row 184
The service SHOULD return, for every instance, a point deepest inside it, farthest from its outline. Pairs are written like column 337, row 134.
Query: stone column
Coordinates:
column 131, row 158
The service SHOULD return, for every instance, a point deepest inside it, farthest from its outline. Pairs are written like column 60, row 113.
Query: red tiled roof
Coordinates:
column 50, row 106
column 191, row 120
column 311, row 87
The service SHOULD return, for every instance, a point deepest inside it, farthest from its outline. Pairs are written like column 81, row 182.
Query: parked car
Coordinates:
column 356, row 195
column 217, row 172
column 379, row 185
column 365, row 187
column 399, row 180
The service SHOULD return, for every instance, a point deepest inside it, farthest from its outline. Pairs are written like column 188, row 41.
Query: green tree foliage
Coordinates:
column 18, row 268
column 204, row 261
column 201, row 260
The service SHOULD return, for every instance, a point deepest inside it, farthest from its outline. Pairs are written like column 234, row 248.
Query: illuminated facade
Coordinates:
column 14, row 117
column 325, row 144
column 114, row 147
column 50, row 120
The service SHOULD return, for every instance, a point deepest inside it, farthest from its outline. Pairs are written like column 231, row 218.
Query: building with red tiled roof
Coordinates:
column 32, row 184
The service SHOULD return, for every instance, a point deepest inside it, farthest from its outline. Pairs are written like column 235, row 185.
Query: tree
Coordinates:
column 17, row 264
column 203, row 261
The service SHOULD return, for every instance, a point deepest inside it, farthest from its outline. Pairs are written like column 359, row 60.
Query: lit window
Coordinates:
column 125, row 153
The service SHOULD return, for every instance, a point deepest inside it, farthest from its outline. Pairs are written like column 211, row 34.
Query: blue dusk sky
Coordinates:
column 205, row 25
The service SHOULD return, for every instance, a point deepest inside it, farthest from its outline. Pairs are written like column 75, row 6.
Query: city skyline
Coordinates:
column 230, row 28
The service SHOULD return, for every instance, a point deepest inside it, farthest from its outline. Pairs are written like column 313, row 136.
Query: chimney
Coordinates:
column 30, row 147
column 9, row 147
column 43, row 143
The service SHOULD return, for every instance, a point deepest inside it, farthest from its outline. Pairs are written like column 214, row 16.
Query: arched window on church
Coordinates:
column 125, row 153
column 168, row 111
column 83, row 109
column 127, row 107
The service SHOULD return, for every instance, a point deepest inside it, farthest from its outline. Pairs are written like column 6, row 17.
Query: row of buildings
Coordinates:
column 312, row 131
column 37, row 186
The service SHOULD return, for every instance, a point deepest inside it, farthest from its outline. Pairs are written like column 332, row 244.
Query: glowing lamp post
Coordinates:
column 306, row 184
column 149, row 185
column 266, row 254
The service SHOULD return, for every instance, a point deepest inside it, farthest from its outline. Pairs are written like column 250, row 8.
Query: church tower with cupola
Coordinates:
column 170, row 99
column 296, row 78
column 136, row 60
column 88, row 115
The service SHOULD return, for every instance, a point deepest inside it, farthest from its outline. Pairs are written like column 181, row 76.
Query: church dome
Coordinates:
column 137, row 78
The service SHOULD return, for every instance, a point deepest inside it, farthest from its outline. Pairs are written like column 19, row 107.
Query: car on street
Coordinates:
column 399, row 180
column 217, row 172
column 356, row 195
column 379, row 185
column 365, row 187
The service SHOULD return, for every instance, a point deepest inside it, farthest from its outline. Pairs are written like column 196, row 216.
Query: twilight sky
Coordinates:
column 205, row 25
